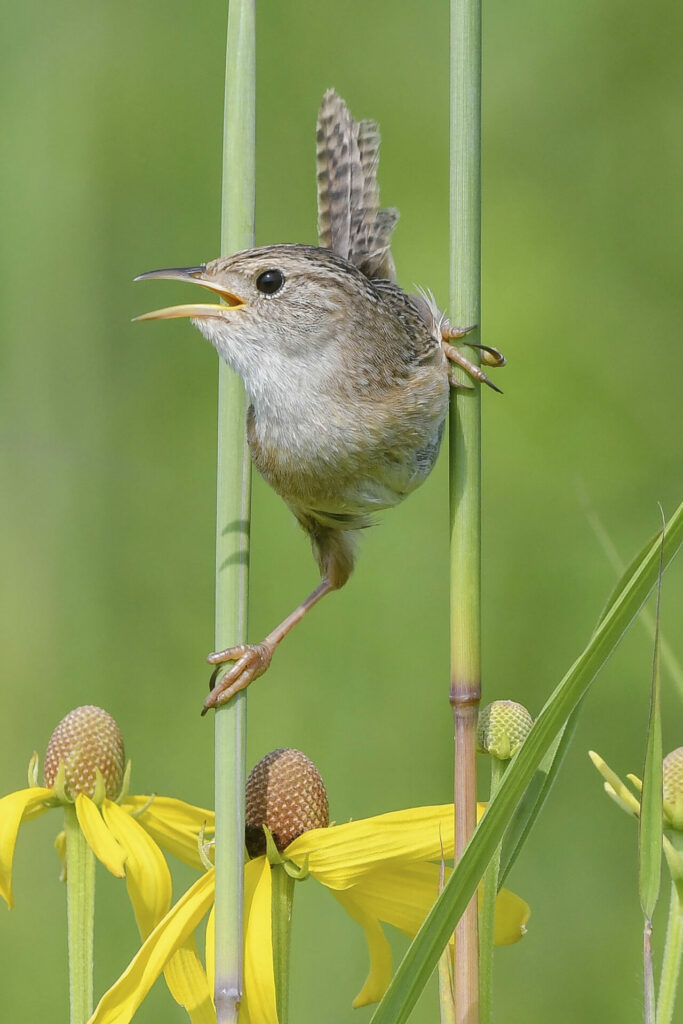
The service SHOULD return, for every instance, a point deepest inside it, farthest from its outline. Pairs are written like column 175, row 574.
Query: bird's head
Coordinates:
column 283, row 305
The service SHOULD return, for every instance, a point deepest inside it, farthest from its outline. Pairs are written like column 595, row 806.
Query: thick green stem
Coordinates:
column 487, row 914
column 282, row 899
column 465, row 467
column 80, row 901
column 232, row 521
column 668, row 981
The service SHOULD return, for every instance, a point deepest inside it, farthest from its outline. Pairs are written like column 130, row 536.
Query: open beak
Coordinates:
column 193, row 309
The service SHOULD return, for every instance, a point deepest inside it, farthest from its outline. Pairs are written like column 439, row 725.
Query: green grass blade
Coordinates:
column 650, row 828
column 626, row 574
column 667, row 656
column 423, row 953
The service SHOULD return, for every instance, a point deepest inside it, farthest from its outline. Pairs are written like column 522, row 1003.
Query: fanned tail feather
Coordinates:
column 350, row 221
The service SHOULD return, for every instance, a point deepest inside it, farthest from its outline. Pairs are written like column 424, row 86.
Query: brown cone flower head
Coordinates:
column 86, row 739
column 286, row 794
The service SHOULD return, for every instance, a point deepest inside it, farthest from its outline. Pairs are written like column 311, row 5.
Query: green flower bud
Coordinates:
column 672, row 768
column 86, row 743
column 286, row 793
column 503, row 727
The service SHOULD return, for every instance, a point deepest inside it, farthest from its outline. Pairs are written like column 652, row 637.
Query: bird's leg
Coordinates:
column 490, row 356
column 252, row 660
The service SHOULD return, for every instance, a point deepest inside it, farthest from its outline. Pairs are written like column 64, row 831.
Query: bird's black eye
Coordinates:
column 270, row 281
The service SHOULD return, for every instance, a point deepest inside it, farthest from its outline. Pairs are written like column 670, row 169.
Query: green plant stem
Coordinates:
column 465, row 468
column 282, row 899
column 232, row 520
column 80, row 902
column 648, row 974
column 671, row 965
column 487, row 914
column 650, row 821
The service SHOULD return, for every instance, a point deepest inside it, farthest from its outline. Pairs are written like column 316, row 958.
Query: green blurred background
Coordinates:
column 111, row 148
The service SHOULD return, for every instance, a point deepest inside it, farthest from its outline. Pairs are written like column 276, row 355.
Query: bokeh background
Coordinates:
column 111, row 147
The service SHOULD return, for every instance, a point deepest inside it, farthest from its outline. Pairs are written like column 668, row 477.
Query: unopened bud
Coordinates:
column 286, row 793
column 672, row 768
column 86, row 741
column 503, row 727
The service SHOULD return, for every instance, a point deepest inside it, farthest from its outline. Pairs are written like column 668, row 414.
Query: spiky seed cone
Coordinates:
column 503, row 727
column 86, row 739
column 672, row 768
column 286, row 793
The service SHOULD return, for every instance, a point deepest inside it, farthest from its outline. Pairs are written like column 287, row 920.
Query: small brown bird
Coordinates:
column 347, row 376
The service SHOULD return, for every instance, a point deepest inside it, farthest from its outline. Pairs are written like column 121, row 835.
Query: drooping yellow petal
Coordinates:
column 147, row 876
column 512, row 914
column 400, row 895
column 173, row 824
column 339, row 855
column 403, row 894
column 99, row 838
column 187, row 982
column 210, row 949
column 118, row 1005
column 14, row 809
column 258, row 1004
column 379, row 949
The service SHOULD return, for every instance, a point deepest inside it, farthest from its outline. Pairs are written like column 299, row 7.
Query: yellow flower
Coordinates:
column 383, row 869
column 672, row 800
column 85, row 770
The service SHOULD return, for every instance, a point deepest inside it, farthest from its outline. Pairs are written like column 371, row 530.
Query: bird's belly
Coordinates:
column 343, row 472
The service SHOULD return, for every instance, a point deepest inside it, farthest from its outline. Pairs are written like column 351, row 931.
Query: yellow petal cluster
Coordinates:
column 127, row 839
column 383, row 869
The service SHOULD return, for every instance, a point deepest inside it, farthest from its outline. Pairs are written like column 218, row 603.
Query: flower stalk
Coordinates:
column 232, row 520
column 80, row 901
column 671, row 964
column 503, row 728
column 673, row 850
column 282, row 897
column 487, row 914
column 465, row 467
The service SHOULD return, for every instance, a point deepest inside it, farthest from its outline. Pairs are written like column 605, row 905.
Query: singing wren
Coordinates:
column 347, row 376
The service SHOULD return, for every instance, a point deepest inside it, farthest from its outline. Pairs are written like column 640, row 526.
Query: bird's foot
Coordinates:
column 251, row 661
column 490, row 356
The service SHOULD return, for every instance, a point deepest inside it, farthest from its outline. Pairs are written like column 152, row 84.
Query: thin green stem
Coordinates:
column 671, row 965
column 648, row 974
column 282, row 899
column 80, row 902
column 487, row 914
column 232, row 520
column 465, row 467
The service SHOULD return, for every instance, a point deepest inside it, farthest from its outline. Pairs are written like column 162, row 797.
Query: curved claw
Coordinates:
column 251, row 661
column 489, row 355
column 456, row 356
